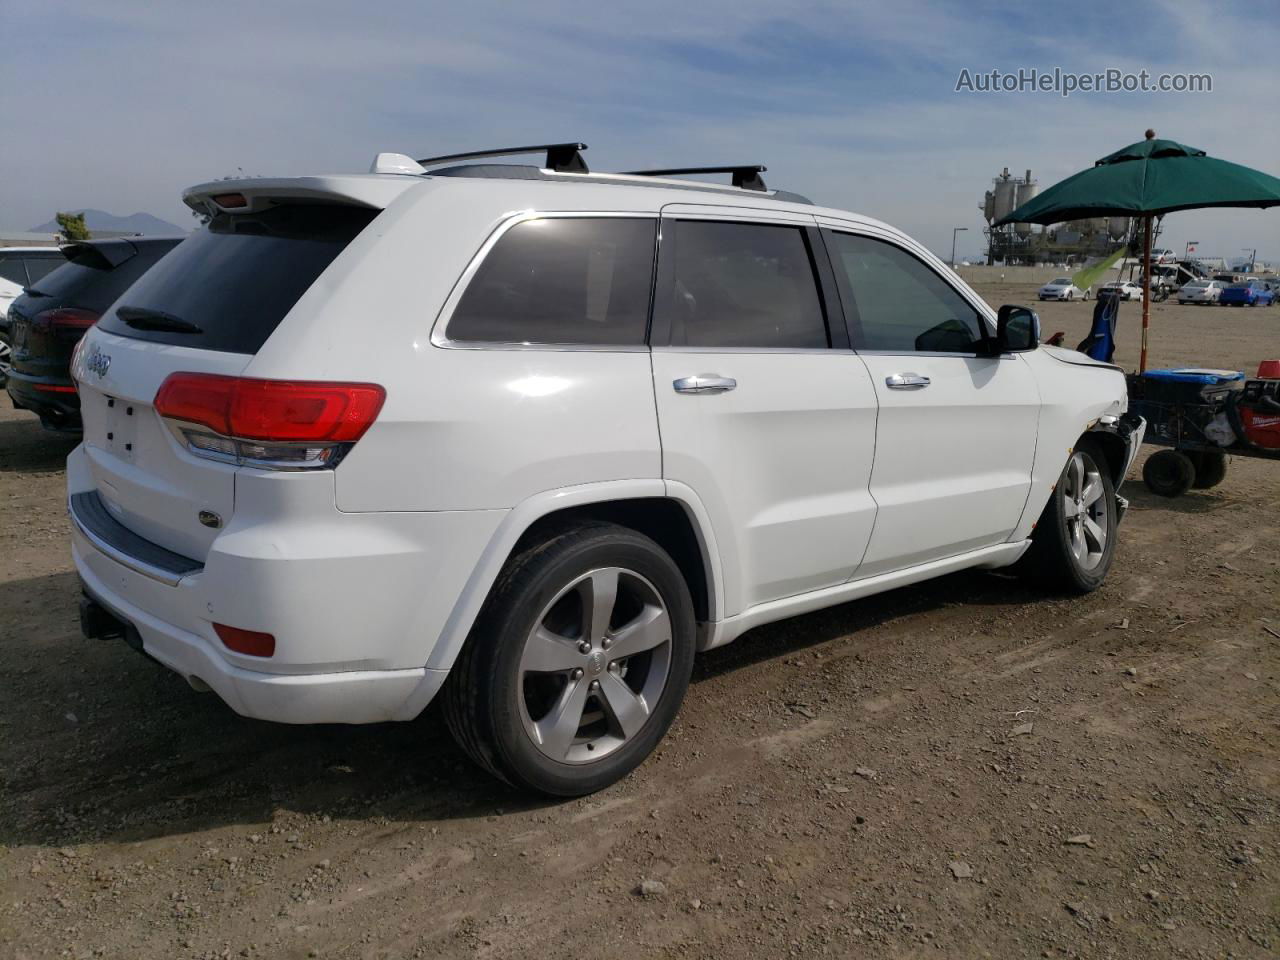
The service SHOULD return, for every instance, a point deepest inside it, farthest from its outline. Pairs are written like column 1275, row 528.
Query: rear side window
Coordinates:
column 89, row 282
column 228, row 286
column 741, row 285
column 562, row 280
column 898, row 302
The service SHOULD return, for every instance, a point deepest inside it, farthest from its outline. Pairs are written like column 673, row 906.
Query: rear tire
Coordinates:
column 1211, row 469
column 577, row 664
column 1074, row 542
column 1169, row 473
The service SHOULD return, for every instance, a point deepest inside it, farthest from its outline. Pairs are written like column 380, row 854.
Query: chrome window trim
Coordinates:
column 819, row 351
column 440, row 328
column 962, row 354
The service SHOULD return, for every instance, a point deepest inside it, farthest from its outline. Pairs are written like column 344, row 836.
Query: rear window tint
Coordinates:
column 89, row 283
column 562, row 280
column 238, row 277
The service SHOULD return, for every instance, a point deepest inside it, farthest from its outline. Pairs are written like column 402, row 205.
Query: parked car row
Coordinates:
column 1251, row 293
column 527, row 438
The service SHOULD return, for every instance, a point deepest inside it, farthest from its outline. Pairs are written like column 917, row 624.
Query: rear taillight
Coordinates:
column 65, row 322
column 287, row 424
column 255, row 643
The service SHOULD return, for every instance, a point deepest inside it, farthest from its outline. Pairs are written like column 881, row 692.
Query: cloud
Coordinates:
column 120, row 106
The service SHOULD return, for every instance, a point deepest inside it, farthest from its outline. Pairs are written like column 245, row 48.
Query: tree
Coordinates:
column 72, row 226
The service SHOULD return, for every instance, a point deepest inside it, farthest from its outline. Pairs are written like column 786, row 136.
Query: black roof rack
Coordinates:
column 745, row 175
column 561, row 157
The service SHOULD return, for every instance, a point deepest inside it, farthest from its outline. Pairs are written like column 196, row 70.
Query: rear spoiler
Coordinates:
column 375, row 191
column 103, row 254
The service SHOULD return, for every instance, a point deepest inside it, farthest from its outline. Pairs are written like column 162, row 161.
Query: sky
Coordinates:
column 121, row 105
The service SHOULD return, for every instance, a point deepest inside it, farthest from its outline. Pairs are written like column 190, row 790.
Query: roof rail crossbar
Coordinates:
column 745, row 175
column 561, row 157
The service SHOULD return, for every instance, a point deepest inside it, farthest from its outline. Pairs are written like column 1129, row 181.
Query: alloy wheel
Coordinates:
column 1084, row 506
column 6, row 359
column 594, row 665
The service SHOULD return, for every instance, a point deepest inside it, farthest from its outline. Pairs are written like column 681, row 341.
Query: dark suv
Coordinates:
column 50, row 317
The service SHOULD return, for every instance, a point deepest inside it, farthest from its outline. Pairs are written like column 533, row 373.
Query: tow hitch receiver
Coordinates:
column 99, row 623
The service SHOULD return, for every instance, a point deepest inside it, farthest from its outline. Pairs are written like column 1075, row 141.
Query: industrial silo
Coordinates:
column 1023, row 193
column 1006, row 195
column 989, row 206
column 1118, row 227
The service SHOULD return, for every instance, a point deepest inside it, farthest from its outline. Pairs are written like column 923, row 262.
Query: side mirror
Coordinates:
column 1017, row 329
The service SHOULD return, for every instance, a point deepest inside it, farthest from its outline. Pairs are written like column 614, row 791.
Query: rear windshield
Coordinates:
column 90, row 283
column 230, row 284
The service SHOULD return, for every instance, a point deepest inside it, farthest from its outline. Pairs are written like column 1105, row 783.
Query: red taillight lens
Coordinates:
column 65, row 320
column 254, row 643
column 287, row 411
column 230, row 201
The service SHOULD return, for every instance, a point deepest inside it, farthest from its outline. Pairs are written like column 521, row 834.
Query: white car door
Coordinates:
column 764, row 412
column 956, row 434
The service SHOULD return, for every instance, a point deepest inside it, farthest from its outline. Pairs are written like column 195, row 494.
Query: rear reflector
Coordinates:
column 55, row 388
column 286, row 411
column 253, row 643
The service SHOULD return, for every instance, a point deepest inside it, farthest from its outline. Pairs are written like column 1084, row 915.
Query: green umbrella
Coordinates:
column 1148, row 179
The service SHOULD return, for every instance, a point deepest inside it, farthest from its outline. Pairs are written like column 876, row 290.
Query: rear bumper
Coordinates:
column 53, row 400
column 356, row 602
column 365, row 696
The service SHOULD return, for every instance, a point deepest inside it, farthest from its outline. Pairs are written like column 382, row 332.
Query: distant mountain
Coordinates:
column 143, row 223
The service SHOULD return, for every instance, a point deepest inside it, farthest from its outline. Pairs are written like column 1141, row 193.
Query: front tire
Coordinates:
column 1074, row 541
column 578, row 663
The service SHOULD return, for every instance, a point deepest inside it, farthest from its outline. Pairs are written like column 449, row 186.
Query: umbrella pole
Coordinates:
column 1146, row 288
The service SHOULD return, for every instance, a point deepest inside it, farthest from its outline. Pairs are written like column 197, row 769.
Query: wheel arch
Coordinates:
column 1114, row 449
column 666, row 513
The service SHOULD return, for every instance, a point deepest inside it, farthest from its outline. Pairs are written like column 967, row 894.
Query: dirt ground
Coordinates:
column 966, row 768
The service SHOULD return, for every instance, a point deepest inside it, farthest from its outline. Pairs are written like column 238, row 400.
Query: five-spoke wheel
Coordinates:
column 578, row 662
column 592, row 665
column 1074, row 542
column 1085, row 510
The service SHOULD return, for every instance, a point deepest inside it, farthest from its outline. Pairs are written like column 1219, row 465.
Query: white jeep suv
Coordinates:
column 529, row 437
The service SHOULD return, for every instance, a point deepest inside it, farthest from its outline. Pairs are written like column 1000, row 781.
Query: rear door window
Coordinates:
column 562, row 280
column 228, row 285
column 740, row 285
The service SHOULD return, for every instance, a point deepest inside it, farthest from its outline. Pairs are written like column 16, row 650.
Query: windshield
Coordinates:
column 1061, row 283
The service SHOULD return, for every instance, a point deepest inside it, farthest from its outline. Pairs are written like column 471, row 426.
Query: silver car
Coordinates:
column 1063, row 289
column 1200, row 291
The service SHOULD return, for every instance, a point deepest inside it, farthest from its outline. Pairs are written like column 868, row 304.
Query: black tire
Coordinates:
column 1051, row 559
column 485, row 698
column 1211, row 469
column 1169, row 473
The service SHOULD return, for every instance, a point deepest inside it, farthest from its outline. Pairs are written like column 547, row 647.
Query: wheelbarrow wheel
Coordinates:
column 1211, row 468
column 1169, row 473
